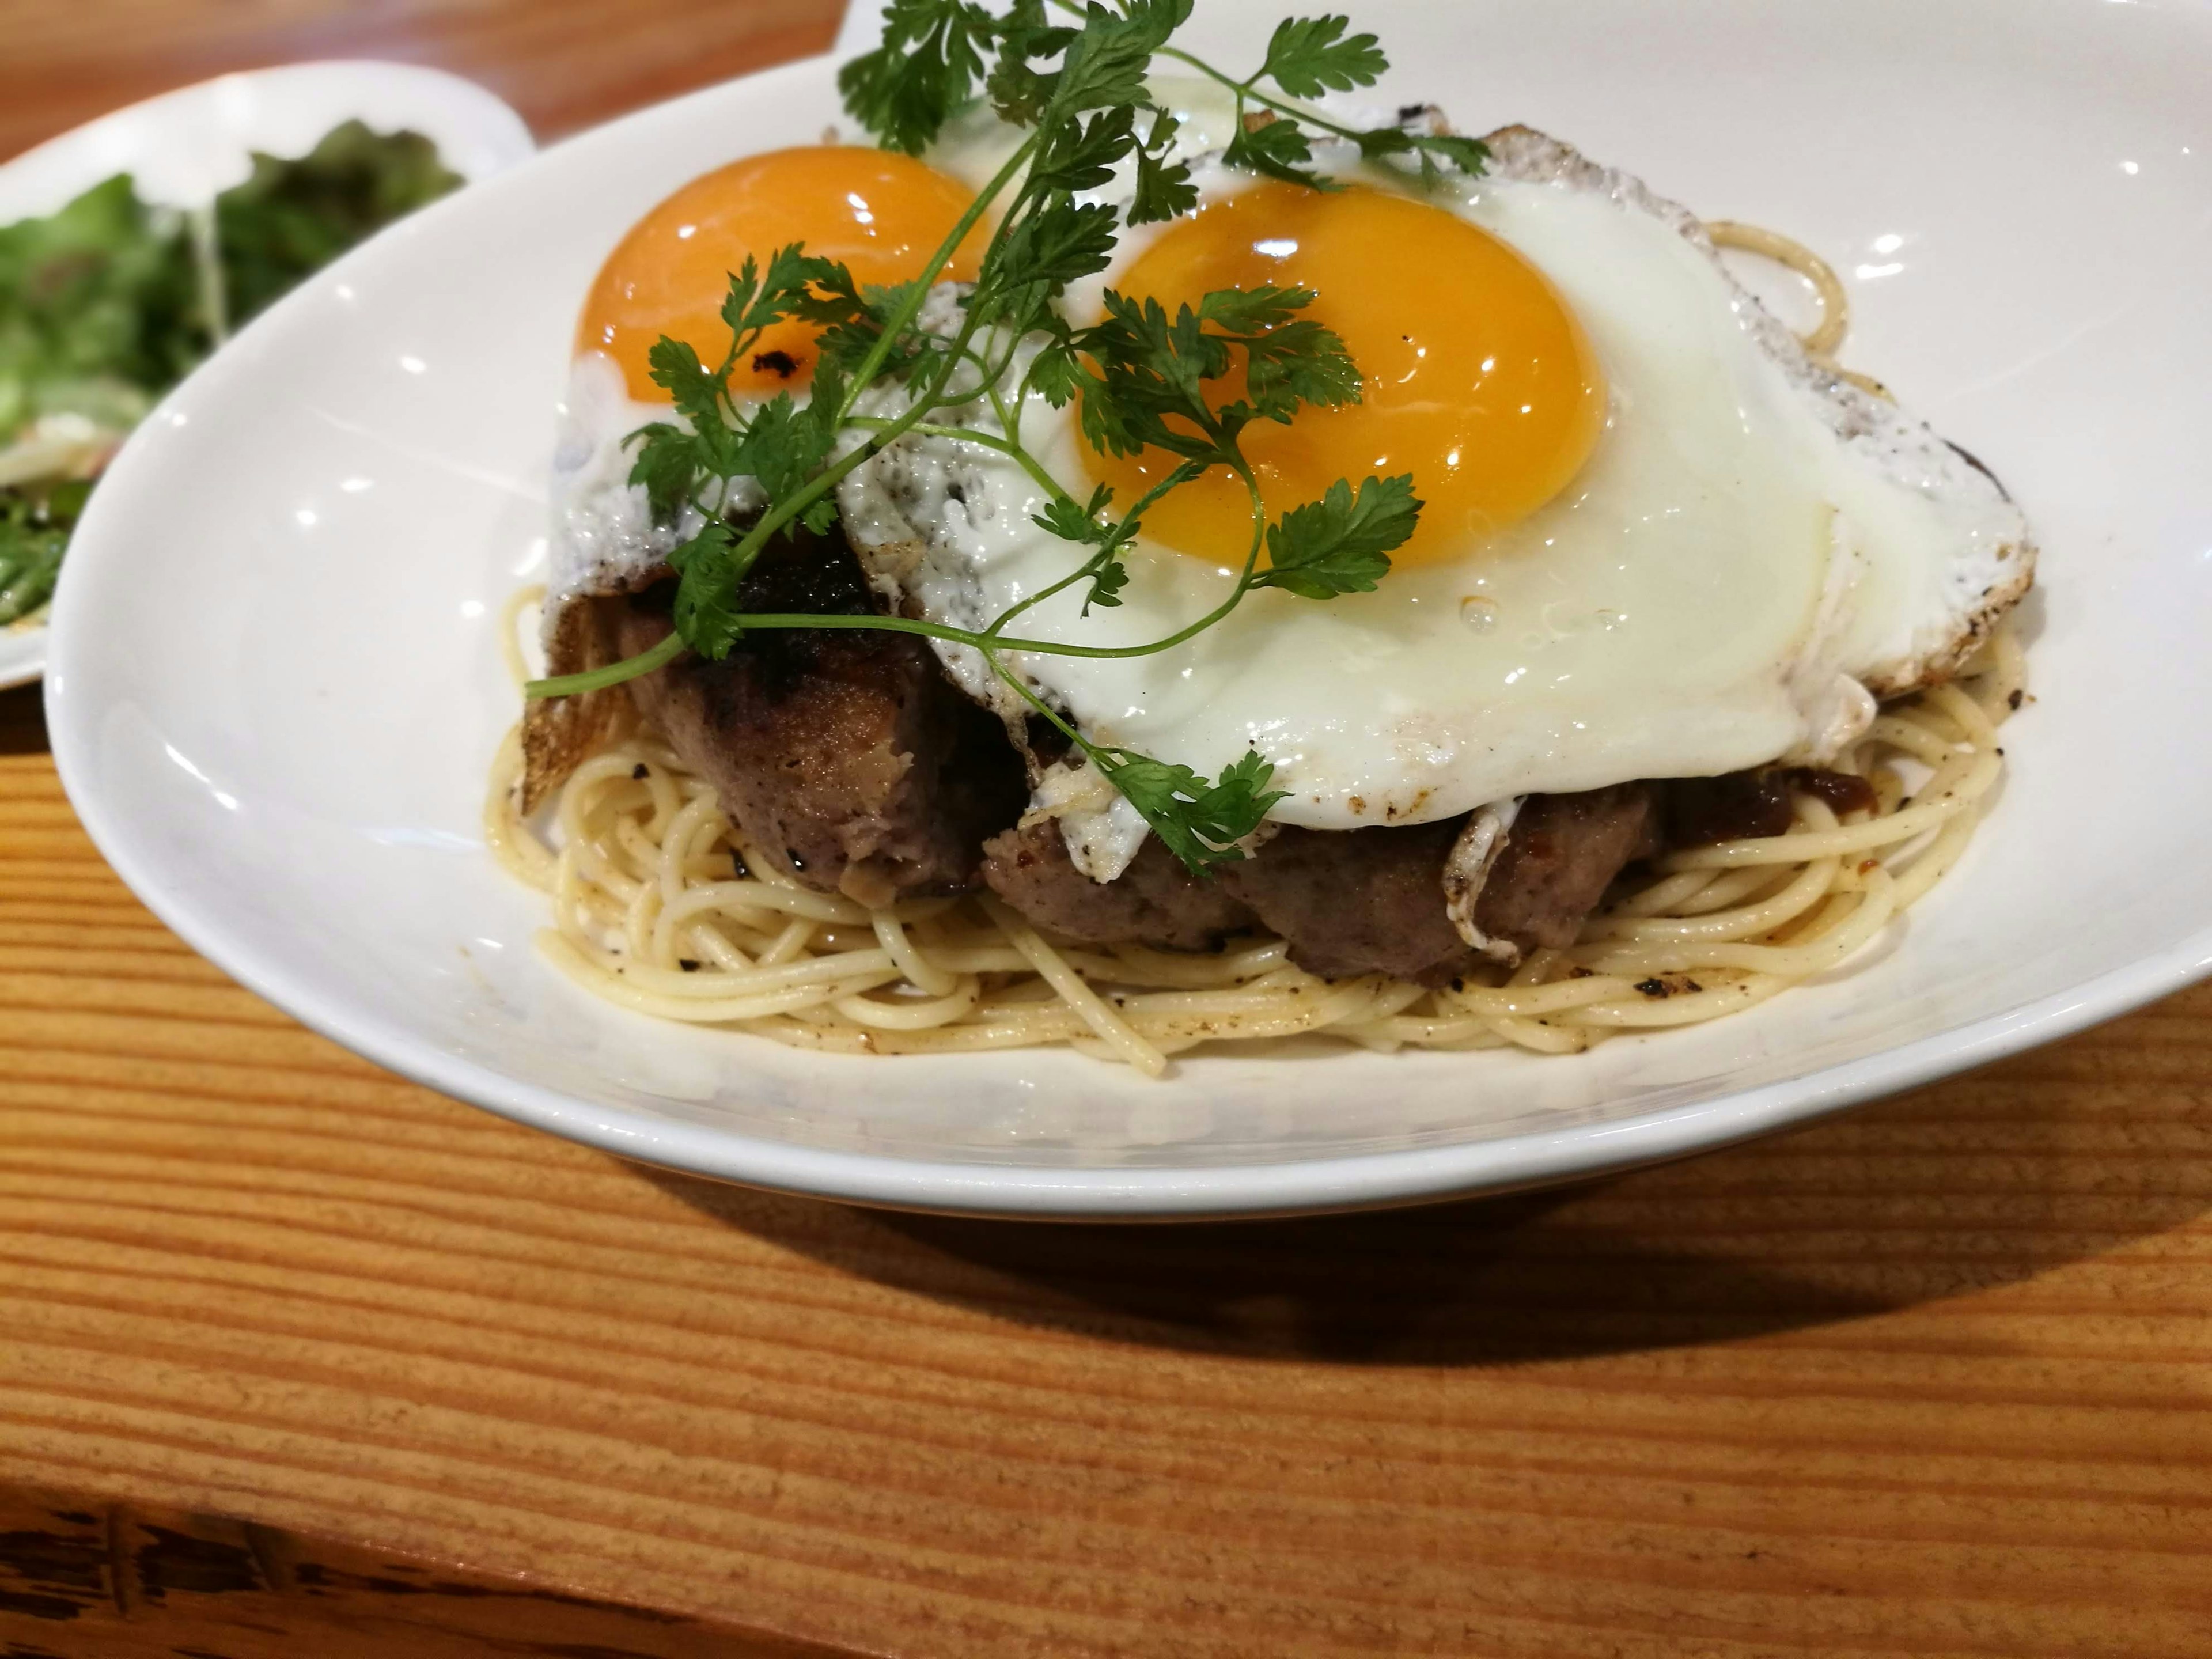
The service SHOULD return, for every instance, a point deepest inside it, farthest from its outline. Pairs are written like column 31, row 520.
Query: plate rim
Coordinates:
column 1290, row 1186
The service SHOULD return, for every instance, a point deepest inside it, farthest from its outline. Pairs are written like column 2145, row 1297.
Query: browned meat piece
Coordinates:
column 1741, row 806
column 1702, row 811
column 1845, row 792
column 1563, row 854
column 1355, row 901
column 1350, row 901
column 849, row 751
column 1154, row 902
column 1372, row 901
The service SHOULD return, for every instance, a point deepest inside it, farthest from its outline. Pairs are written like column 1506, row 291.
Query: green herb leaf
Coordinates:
column 1108, row 576
column 1340, row 543
column 676, row 369
column 1018, row 93
column 1071, row 522
column 1062, row 244
column 1252, row 310
column 1308, row 56
column 1106, row 573
column 1055, row 374
column 1198, row 821
column 1148, row 387
column 1163, row 189
column 1082, row 155
column 1149, row 370
column 1299, row 363
column 699, row 394
column 907, row 89
column 706, row 590
column 1106, row 63
column 668, row 465
column 856, row 323
column 1032, row 265
column 782, row 446
column 798, row 284
column 1279, row 150
column 1469, row 155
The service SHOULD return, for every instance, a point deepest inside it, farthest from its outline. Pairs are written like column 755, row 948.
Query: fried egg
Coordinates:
column 1659, row 541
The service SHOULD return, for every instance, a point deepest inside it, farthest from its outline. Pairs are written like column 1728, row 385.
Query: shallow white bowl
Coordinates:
column 275, row 687
column 186, row 146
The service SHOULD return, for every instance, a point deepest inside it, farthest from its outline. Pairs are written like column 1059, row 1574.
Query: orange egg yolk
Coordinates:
column 883, row 214
column 1475, row 377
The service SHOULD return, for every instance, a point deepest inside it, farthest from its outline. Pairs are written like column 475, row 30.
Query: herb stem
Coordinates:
column 909, row 308
column 988, row 642
column 1182, row 475
column 614, row 674
column 1244, row 89
column 1006, row 447
column 1067, row 727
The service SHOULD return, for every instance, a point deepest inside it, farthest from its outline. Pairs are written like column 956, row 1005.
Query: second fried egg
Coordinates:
column 1658, row 544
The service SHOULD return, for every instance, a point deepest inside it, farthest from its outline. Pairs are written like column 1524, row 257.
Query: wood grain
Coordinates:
column 1931, row 1379
column 125, row 1580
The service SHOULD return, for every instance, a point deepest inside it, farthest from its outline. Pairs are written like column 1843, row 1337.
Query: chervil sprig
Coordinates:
column 908, row 88
column 1340, row 543
column 1143, row 379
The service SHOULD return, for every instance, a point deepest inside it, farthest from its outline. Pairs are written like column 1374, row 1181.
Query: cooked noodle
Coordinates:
column 659, row 904
column 1824, row 341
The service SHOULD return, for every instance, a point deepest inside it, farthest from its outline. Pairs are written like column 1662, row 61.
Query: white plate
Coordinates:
column 275, row 687
column 185, row 146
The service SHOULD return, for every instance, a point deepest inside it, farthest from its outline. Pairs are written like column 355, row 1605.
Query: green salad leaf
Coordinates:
column 108, row 302
column 34, row 528
column 100, row 309
column 291, row 218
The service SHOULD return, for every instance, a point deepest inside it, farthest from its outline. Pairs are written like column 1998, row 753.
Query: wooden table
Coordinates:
column 298, row 1360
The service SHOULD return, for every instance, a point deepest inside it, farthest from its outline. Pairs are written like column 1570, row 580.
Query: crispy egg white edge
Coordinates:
column 1892, row 442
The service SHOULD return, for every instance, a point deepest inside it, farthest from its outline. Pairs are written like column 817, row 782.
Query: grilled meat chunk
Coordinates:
column 847, row 751
column 1350, row 901
column 1562, row 854
column 1154, row 902
column 1355, row 901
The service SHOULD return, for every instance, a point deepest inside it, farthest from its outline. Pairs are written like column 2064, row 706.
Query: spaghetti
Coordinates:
column 661, row 905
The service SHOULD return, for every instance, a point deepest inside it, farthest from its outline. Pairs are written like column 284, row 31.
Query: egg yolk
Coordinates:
column 883, row 214
column 1475, row 377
